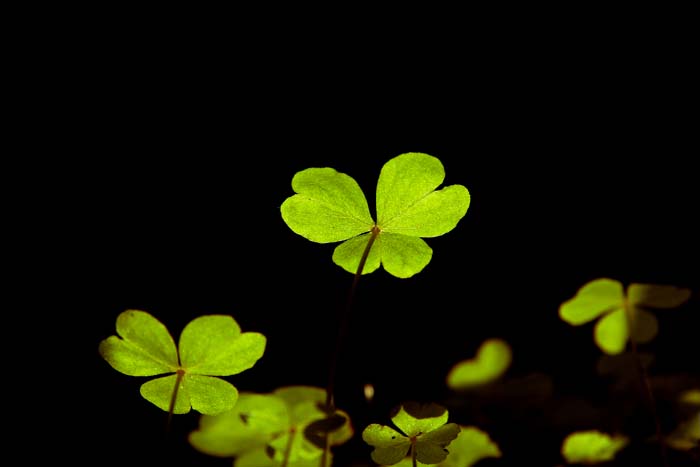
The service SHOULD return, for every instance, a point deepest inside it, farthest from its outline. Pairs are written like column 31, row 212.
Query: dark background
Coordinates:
column 177, row 150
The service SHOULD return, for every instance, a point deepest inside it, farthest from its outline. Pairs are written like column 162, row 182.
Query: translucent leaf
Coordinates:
column 159, row 392
column 414, row 419
column 592, row 300
column 657, row 296
column 591, row 447
column 403, row 256
column 432, row 216
column 611, row 332
column 279, row 422
column 645, row 326
column 145, row 348
column 406, row 200
column 250, row 425
column 390, row 446
column 214, row 345
column 687, row 435
column 348, row 255
column 470, row 446
column 210, row 395
column 492, row 359
column 431, row 446
column 690, row 397
column 405, row 180
column 329, row 206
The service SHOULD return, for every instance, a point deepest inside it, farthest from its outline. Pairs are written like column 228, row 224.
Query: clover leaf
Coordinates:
column 286, row 427
column 423, row 430
column 210, row 346
column 591, row 447
column 492, row 359
column 624, row 314
column 686, row 435
column 329, row 206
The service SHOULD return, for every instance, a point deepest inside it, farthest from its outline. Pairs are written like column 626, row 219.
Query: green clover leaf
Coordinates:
column 686, row 435
column 624, row 316
column 423, row 428
column 470, row 446
column 591, row 447
column 210, row 346
column 330, row 206
column 492, row 360
column 282, row 427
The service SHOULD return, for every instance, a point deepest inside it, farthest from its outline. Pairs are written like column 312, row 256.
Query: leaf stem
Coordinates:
column 180, row 374
column 647, row 389
column 414, row 458
column 343, row 326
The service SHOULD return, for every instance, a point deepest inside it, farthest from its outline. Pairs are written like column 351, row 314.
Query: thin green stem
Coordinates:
column 288, row 448
column 644, row 376
column 180, row 374
column 340, row 340
column 343, row 326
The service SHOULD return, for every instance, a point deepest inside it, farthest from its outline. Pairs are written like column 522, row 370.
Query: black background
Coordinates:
column 177, row 150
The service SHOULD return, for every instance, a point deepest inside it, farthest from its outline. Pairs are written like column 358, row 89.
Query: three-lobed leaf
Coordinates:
column 210, row 346
column 424, row 427
column 470, row 446
column 623, row 314
column 329, row 206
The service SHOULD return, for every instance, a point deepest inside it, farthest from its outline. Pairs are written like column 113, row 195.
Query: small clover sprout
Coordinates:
column 285, row 427
column 591, row 447
column 424, row 434
column 624, row 314
column 210, row 346
column 330, row 206
column 492, row 360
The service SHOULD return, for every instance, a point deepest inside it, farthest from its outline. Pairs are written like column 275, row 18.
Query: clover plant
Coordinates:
column 624, row 313
column 210, row 346
column 297, row 426
column 421, row 432
column 285, row 427
column 329, row 206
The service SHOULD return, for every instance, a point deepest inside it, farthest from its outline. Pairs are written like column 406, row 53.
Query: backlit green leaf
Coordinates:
column 622, row 313
column 431, row 446
column 592, row 300
column 492, row 359
column 284, row 424
column 421, row 424
column 214, row 345
column 330, row 207
column 591, row 447
column 643, row 325
column 407, row 202
column 144, row 346
column 470, row 446
column 611, row 332
column 210, row 346
column 657, row 296
column 414, row 419
column 686, row 436
column 390, row 446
